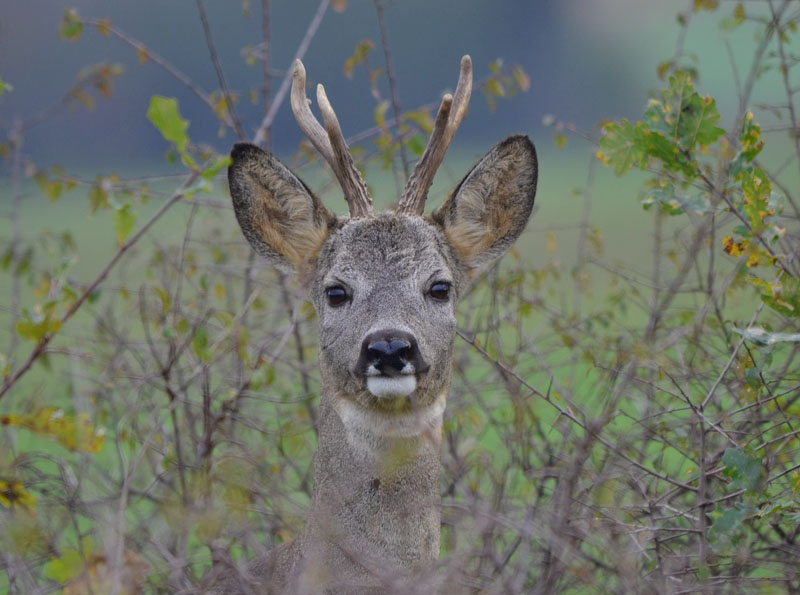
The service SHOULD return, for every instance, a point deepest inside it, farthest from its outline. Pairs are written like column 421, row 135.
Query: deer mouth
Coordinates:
column 390, row 360
column 391, row 387
column 386, row 382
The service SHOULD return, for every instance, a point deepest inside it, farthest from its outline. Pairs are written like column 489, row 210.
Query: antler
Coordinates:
column 451, row 112
column 330, row 142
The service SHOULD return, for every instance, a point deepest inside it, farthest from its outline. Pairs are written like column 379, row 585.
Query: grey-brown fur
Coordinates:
column 374, row 521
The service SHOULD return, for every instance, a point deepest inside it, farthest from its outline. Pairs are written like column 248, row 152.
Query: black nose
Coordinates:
column 390, row 351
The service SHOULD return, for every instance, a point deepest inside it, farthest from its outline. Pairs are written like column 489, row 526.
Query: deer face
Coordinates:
column 385, row 287
column 385, row 291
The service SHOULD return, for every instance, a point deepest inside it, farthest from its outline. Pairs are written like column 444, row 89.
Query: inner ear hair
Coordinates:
column 281, row 218
column 489, row 209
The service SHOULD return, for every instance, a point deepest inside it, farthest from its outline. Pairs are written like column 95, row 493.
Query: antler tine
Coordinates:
column 302, row 113
column 330, row 143
column 355, row 190
column 451, row 111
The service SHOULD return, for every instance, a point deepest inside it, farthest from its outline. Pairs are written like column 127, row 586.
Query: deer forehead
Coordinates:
column 389, row 249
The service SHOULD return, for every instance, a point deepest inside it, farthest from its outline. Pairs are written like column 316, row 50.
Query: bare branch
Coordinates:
column 266, row 123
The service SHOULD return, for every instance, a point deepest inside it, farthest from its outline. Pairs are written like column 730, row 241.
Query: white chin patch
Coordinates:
column 385, row 387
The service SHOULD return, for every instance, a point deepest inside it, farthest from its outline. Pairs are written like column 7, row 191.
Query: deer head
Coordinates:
column 385, row 286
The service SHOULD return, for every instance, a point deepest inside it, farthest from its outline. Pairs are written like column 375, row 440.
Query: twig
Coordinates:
column 44, row 341
column 261, row 133
column 392, row 80
column 735, row 352
column 266, row 83
column 220, row 73
column 150, row 55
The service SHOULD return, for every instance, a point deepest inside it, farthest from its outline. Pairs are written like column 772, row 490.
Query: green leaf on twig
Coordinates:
column 71, row 25
column 124, row 222
column 745, row 470
column 165, row 115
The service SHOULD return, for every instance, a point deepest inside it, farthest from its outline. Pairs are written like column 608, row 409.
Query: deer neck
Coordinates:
column 376, row 502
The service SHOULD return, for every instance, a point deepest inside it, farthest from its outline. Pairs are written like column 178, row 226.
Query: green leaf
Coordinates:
column 98, row 197
column 684, row 117
column 750, row 143
column 65, row 568
column 71, row 25
column 124, row 222
column 782, row 296
column 745, row 470
column 673, row 203
column 35, row 326
column 4, row 87
column 729, row 525
column 698, row 122
column 622, row 146
column 217, row 165
column 757, row 191
column 70, row 564
column 165, row 115
column 200, row 345
column 416, row 144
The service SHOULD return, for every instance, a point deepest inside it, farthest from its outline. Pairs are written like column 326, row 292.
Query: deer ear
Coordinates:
column 280, row 217
column 488, row 210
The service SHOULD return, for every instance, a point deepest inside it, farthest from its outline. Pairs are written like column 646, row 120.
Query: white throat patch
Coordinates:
column 365, row 427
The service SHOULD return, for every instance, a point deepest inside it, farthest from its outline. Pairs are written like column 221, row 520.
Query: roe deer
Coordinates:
column 385, row 289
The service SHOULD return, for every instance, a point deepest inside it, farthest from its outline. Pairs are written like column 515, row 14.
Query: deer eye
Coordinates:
column 440, row 291
column 336, row 295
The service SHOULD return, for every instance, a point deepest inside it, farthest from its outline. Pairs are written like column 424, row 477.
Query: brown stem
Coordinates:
column 392, row 80
column 287, row 80
column 220, row 73
column 40, row 347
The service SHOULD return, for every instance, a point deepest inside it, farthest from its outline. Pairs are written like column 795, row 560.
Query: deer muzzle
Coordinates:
column 390, row 360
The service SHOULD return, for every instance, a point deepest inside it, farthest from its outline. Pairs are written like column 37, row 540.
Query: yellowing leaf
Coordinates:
column 13, row 493
column 522, row 79
column 551, row 243
column 38, row 324
column 166, row 299
column 380, row 113
column 142, row 54
column 422, row 117
column 75, row 432
column 496, row 87
column 705, row 5
column 339, row 5
column 104, row 27
column 362, row 50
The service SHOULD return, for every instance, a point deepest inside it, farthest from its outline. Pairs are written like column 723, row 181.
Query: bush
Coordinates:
column 640, row 435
